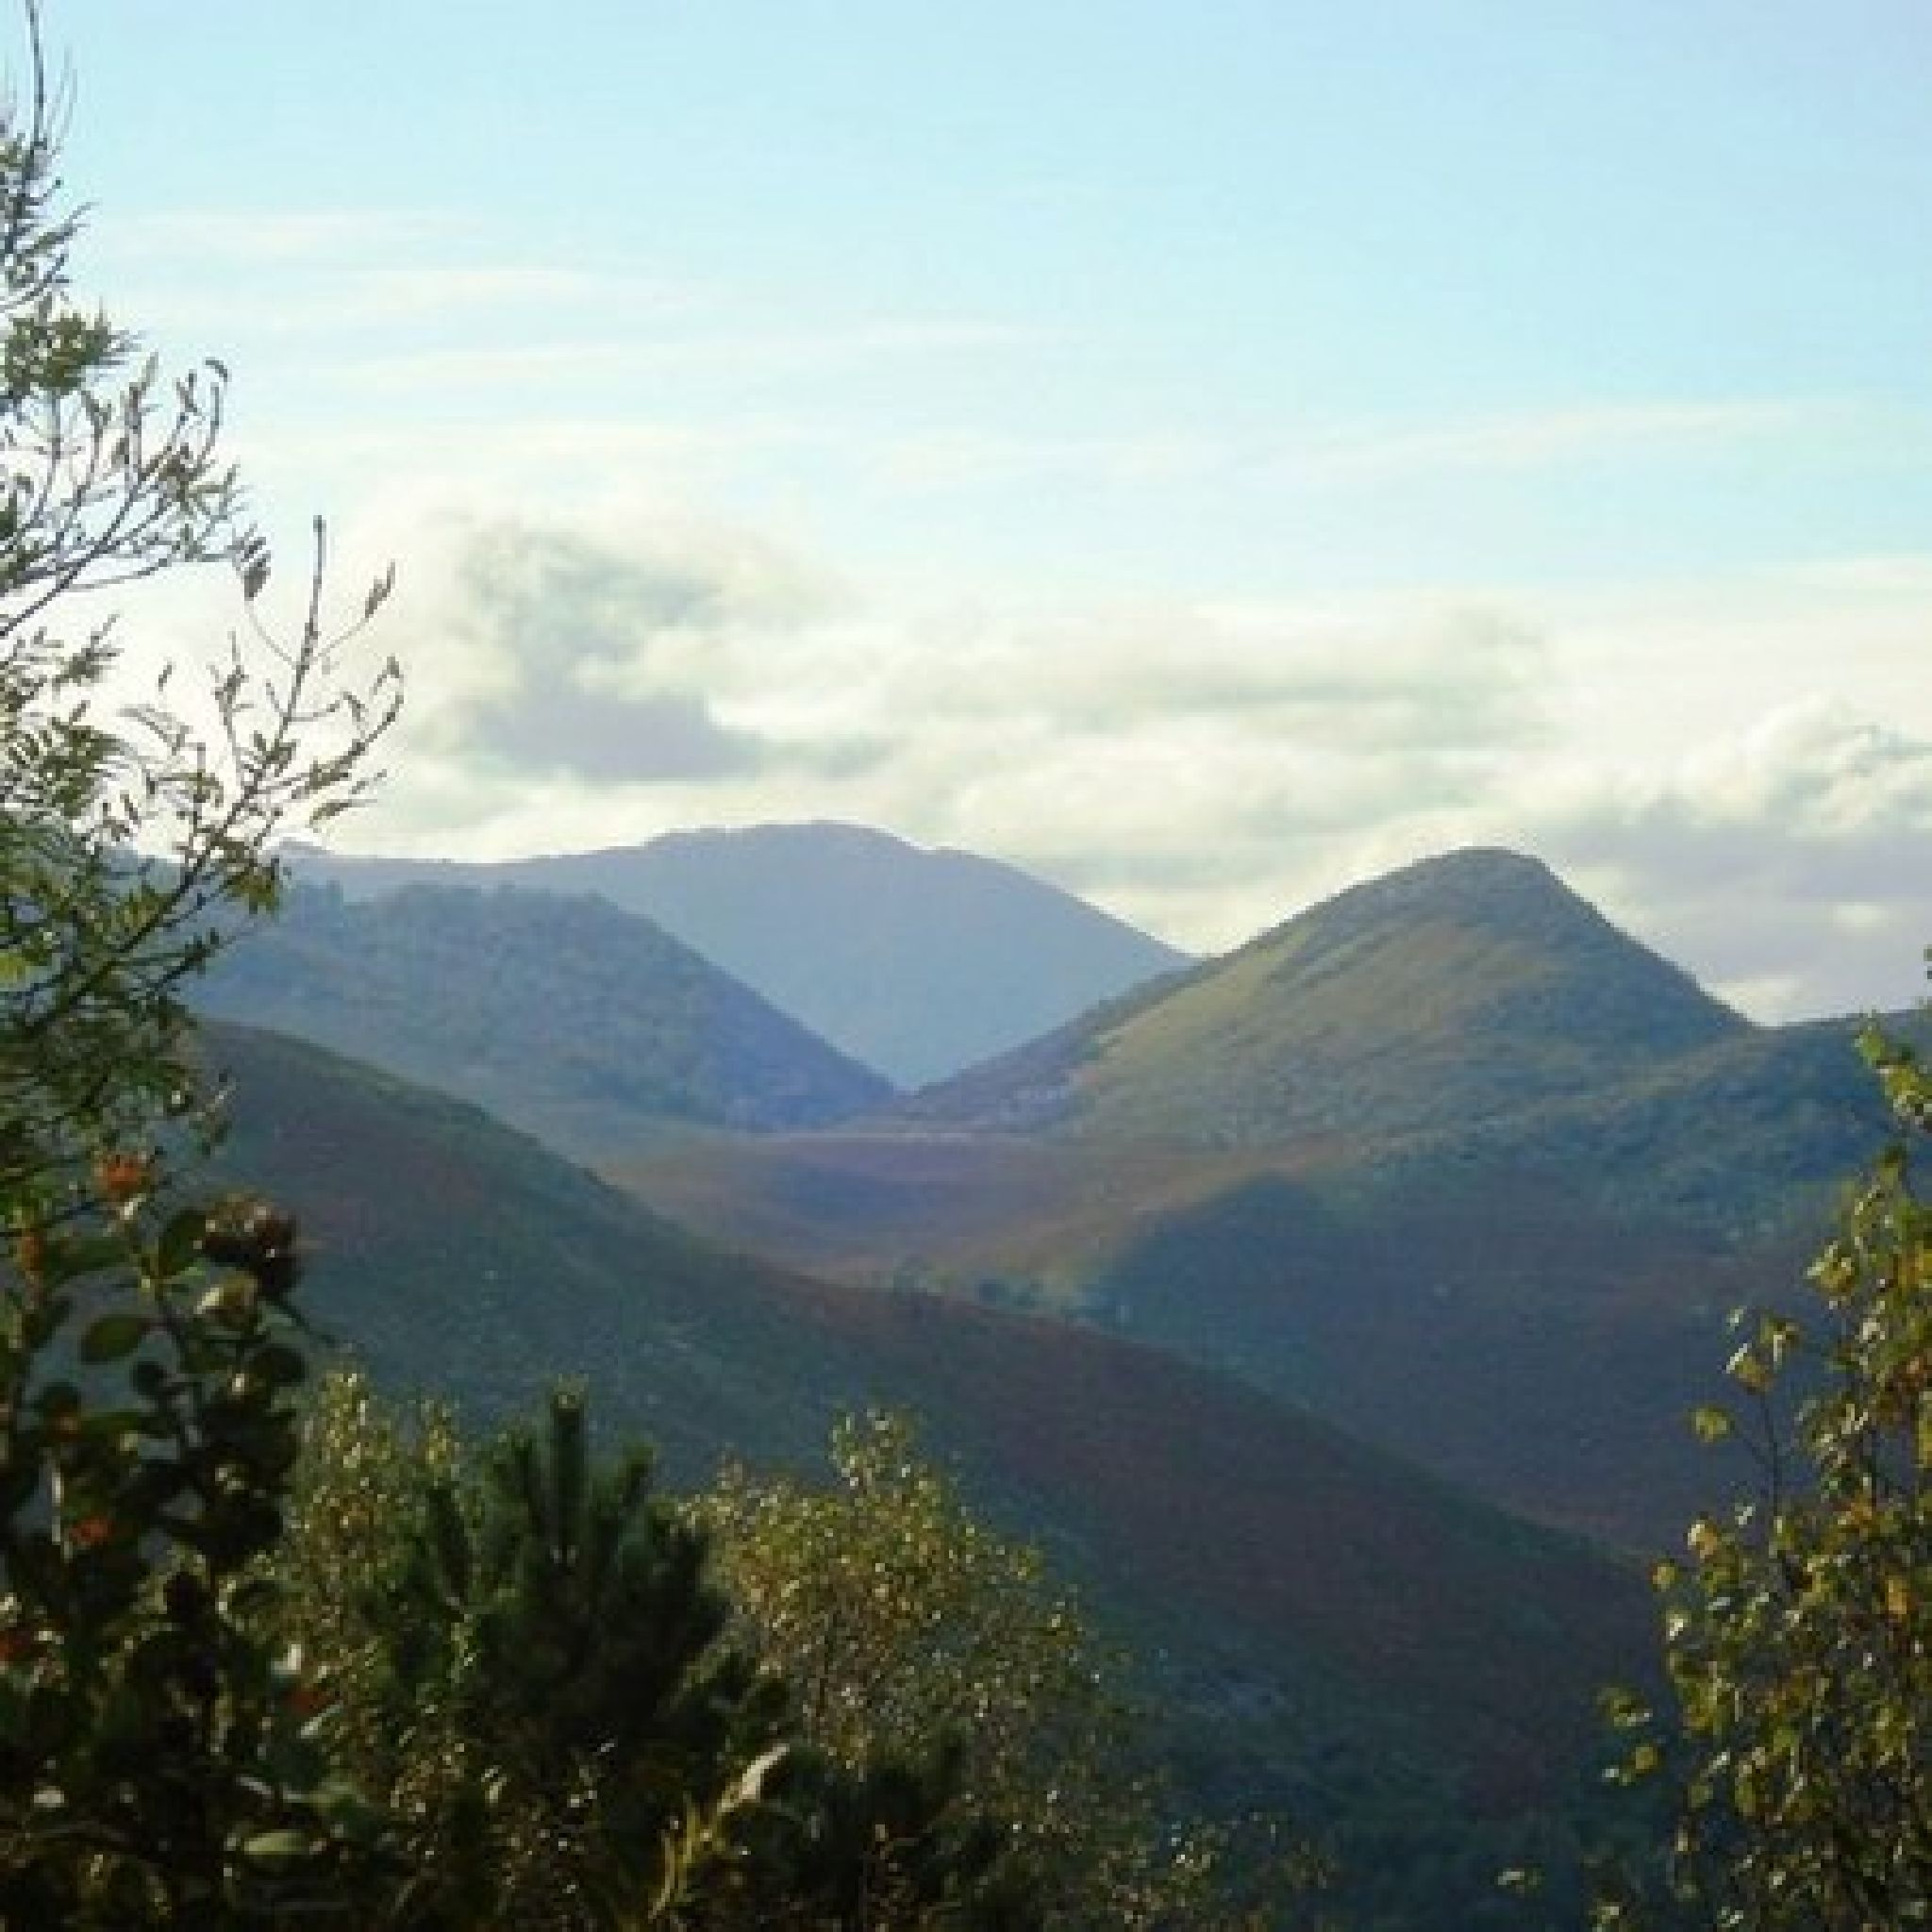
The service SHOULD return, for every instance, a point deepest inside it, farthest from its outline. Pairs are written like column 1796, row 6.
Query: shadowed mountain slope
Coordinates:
column 1746, row 1139
column 1310, row 1595
column 1499, row 1330
column 1448, row 1159
column 588, row 1026
column 1449, row 992
column 1530, row 1304
column 915, row 962
column 1531, row 1307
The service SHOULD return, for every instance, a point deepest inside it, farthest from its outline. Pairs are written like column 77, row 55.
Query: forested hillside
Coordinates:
column 913, row 961
column 589, row 1026
column 1307, row 1611
column 1447, row 1157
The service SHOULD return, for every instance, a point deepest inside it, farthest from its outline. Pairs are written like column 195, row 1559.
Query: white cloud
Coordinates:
column 556, row 654
column 1784, row 861
column 1207, row 769
column 685, row 672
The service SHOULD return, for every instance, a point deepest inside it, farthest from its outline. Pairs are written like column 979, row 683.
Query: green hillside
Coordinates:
column 1530, row 1304
column 1746, row 1139
column 1488, row 1182
column 452, row 1254
column 589, row 1027
column 1327, row 1621
column 1458, row 989
column 1500, row 1329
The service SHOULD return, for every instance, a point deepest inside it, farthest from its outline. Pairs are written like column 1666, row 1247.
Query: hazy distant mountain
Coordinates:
column 1384, row 1655
column 1451, row 992
column 588, row 1026
column 915, row 962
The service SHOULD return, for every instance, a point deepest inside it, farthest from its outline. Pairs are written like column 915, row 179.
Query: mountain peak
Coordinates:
column 1490, row 888
column 915, row 961
column 1465, row 987
column 1477, row 878
column 820, row 835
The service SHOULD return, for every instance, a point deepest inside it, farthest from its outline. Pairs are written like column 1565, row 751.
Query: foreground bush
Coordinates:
column 1798, row 1626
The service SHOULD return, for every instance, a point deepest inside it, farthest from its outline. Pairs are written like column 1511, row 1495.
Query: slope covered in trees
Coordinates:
column 913, row 961
column 526, row 1268
column 591, row 1026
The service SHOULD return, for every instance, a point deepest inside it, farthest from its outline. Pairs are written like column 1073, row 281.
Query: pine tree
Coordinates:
column 552, row 1674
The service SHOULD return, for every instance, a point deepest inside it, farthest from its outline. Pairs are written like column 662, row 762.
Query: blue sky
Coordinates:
column 1204, row 452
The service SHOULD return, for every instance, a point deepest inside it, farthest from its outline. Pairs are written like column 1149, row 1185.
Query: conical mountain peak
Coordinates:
column 1466, row 986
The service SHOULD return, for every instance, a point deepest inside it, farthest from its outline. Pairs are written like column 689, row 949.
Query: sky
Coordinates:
column 1206, row 452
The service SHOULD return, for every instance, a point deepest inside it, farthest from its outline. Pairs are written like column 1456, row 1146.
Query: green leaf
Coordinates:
column 180, row 1243
column 283, row 1847
column 108, row 1338
column 279, row 1363
column 88, row 1254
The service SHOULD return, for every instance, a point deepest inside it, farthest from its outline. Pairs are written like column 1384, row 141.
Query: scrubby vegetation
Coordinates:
column 259, row 1663
column 575, row 1701
column 1798, row 1625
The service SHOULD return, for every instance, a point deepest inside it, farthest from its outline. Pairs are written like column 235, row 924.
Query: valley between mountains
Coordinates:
column 1332, row 1310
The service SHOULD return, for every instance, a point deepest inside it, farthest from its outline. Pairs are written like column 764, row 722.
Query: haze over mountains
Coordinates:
column 1448, row 1158
column 591, row 1026
column 1279, row 1292
column 917, row 963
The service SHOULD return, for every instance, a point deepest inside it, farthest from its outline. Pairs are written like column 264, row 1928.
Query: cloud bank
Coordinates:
column 1204, row 769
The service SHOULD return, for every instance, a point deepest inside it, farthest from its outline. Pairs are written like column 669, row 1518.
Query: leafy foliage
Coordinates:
column 158, row 1763
column 897, row 1613
column 532, row 1675
column 160, row 1757
column 1798, row 1630
column 125, row 841
column 554, row 1680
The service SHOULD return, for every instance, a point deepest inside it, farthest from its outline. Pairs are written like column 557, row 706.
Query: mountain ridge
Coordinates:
column 1449, row 1158
column 914, row 961
column 1405, row 1001
column 588, row 1025
column 1318, row 1610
